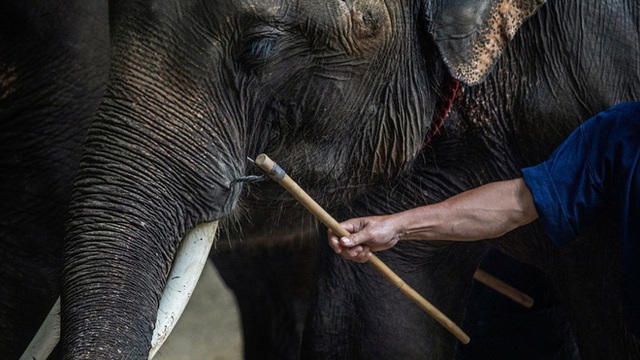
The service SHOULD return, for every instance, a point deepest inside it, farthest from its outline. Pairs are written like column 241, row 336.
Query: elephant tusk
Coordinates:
column 47, row 336
column 186, row 270
column 183, row 277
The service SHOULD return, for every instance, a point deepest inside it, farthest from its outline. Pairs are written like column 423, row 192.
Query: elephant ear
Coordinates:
column 471, row 34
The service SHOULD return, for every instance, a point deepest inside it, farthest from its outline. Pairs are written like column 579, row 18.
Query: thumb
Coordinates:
column 351, row 240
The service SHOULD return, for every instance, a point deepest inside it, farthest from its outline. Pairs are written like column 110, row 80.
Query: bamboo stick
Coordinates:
column 503, row 288
column 276, row 173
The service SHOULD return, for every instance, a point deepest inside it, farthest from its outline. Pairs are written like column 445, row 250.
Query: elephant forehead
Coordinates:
column 365, row 18
column 356, row 20
column 264, row 9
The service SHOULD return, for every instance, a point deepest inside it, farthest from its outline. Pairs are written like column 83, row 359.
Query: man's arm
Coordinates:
column 488, row 211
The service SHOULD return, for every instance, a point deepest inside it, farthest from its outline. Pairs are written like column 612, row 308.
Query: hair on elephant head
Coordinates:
column 341, row 93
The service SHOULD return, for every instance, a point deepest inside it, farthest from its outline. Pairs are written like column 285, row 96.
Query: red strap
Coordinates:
column 449, row 92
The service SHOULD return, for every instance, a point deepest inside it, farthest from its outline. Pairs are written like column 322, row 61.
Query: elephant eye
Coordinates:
column 262, row 48
column 258, row 48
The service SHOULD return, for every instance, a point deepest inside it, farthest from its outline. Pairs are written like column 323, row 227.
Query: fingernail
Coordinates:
column 345, row 240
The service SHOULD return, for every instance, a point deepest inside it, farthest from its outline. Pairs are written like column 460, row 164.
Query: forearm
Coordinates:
column 485, row 212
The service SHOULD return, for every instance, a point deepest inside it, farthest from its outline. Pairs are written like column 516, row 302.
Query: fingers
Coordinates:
column 335, row 243
column 350, row 226
column 338, row 245
column 354, row 247
column 358, row 234
column 358, row 253
column 350, row 241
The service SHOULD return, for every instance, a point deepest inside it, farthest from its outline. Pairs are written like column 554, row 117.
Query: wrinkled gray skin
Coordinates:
column 273, row 298
column 195, row 87
column 559, row 70
column 53, row 68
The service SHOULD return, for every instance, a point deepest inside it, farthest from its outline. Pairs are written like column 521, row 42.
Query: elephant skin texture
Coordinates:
column 341, row 94
column 197, row 86
column 559, row 70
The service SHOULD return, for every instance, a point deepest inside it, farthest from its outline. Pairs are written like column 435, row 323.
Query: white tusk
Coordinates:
column 183, row 277
column 186, row 270
column 46, row 338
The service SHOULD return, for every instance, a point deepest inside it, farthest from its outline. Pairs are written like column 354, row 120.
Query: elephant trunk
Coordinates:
column 185, row 272
column 113, row 275
column 138, row 191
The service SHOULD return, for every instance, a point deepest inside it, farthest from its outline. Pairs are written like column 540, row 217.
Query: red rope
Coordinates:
column 449, row 92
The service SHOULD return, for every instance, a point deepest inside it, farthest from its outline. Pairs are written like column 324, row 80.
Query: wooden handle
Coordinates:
column 503, row 288
column 276, row 173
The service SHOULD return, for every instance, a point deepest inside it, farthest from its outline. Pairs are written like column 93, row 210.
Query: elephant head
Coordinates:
column 340, row 92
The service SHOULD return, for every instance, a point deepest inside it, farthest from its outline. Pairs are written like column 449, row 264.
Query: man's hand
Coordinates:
column 368, row 234
column 486, row 212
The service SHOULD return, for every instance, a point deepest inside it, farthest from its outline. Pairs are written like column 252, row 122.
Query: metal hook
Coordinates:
column 248, row 178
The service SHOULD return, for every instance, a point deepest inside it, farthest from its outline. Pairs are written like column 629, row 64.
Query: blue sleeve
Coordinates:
column 587, row 173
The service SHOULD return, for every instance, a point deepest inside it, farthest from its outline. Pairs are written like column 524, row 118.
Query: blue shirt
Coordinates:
column 596, row 170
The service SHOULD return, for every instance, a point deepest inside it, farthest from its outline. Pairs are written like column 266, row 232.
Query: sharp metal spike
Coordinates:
column 248, row 179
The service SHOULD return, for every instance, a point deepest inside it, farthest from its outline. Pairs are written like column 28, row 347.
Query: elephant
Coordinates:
column 271, row 315
column 568, row 62
column 54, row 65
column 195, row 88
